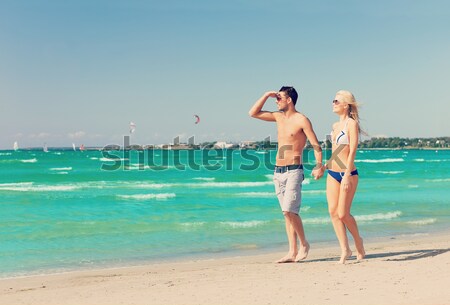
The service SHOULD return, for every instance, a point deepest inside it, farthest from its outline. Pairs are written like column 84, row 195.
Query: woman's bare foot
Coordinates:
column 289, row 258
column 303, row 254
column 360, row 252
column 344, row 256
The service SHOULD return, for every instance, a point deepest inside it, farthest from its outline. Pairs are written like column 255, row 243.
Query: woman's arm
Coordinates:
column 353, row 135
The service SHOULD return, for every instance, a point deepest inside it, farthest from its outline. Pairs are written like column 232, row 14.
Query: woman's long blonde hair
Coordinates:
column 349, row 99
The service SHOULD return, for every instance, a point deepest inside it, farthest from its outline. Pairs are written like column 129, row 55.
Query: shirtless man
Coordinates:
column 293, row 130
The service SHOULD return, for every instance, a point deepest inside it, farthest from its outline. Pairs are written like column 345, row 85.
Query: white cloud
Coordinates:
column 380, row 136
column 95, row 136
column 77, row 134
column 40, row 135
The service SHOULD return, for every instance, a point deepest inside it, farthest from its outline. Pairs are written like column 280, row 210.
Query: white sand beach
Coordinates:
column 405, row 270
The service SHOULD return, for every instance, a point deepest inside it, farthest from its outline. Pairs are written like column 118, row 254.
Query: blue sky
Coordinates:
column 80, row 71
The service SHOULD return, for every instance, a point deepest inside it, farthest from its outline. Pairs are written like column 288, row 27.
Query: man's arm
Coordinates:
column 319, row 169
column 256, row 111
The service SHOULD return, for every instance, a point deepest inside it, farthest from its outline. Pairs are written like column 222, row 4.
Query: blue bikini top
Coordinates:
column 342, row 136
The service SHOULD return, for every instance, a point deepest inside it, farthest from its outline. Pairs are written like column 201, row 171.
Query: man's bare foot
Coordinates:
column 289, row 258
column 303, row 253
column 344, row 256
column 360, row 252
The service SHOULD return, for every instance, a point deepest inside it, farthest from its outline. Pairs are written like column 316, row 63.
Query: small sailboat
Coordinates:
column 73, row 146
column 16, row 146
column 45, row 148
column 82, row 147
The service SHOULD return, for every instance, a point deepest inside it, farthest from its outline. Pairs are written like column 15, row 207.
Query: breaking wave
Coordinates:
column 162, row 196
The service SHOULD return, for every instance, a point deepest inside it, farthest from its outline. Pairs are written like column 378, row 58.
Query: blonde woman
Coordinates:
column 342, row 179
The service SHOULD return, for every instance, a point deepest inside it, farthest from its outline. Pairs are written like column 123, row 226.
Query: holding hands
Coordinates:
column 318, row 171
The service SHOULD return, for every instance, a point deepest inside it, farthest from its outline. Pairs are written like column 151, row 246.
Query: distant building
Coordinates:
column 224, row 145
column 248, row 145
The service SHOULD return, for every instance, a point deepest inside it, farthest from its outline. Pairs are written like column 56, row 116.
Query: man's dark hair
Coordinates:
column 290, row 91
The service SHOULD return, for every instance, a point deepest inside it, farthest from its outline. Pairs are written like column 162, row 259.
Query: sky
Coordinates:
column 81, row 71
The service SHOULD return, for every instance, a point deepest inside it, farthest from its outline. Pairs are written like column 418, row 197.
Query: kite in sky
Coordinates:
column 197, row 119
column 132, row 127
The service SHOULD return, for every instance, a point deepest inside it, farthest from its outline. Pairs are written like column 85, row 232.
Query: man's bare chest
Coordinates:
column 287, row 131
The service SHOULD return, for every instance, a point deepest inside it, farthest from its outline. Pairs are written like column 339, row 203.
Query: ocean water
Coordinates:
column 66, row 210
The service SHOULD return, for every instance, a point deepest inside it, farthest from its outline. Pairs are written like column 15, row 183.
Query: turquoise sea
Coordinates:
column 65, row 210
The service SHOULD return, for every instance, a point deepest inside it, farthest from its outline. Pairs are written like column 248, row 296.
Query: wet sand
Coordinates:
column 405, row 270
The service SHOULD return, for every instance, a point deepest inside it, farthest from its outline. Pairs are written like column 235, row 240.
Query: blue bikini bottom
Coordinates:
column 338, row 175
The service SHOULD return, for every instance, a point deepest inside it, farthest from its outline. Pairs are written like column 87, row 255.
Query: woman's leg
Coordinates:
column 333, row 190
column 343, row 211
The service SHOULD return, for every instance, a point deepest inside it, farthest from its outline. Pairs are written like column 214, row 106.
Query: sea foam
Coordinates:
column 243, row 224
column 31, row 187
column 225, row 184
column 256, row 194
column 378, row 216
column 204, row 178
column 314, row 191
column 113, row 159
column 317, row 220
column 34, row 160
column 438, row 180
column 161, row 196
column 422, row 222
column 193, row 224
column 61, row 169
column 390, row 172
column 387, row 160
column 361, row 218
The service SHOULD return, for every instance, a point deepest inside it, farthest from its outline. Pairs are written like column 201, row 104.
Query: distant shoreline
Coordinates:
column 191, row 148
